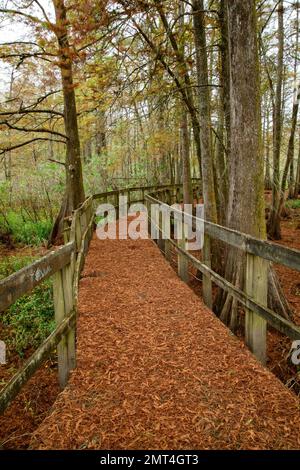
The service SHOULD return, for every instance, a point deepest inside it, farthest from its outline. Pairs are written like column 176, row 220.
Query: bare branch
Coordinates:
column 29, row 111
column 26, row 129
column 14, row 147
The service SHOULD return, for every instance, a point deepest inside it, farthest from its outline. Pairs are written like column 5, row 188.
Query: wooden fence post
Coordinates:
column 63, row 305
column 256, row 285
column 155, row 223
column 161, row 240
column 166, row 230
column 183, row 263
column 90, row 213
column 116, row 204
column 206, row 281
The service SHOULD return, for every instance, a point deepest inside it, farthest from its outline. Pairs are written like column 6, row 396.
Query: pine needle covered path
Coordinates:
column 157, row 370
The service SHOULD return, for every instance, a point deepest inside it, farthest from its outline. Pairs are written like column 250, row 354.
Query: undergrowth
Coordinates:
column 293, row 203
column 31, row 318
column 24, row 230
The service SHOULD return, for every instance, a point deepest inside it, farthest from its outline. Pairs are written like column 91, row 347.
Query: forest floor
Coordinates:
column 37, row 397
column 157, row 370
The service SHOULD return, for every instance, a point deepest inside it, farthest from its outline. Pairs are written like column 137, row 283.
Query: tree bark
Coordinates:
column 290, row 151
column 246, row 208
column 185, row 158
column 274, row 222
column 74, row 194
column 297, row 180
column 208, row 184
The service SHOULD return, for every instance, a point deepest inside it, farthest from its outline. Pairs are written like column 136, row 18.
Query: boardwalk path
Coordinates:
column 156, row 369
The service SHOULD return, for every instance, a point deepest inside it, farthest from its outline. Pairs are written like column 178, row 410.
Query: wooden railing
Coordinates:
column 259, row 254
column 65, row 265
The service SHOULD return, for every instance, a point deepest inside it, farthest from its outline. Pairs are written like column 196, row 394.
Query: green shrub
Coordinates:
column 31, row 318
column 11, row 264
column 293, row 203
column 25, row 231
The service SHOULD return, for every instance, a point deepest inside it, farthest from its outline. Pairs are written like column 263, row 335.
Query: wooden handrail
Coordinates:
column 15, row 384
column 278, row 254
column 258, row 255
column 27, row 278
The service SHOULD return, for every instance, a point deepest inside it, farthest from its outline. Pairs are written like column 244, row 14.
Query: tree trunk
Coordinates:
column 297, row 180
column 290, row 151
column 274, row 220
column 185, row 158
column 74, row 194
column 246, row 208
column 268, row 184
column 208, row 185
column 184, row 126
column 223, row 138
column 100, row 133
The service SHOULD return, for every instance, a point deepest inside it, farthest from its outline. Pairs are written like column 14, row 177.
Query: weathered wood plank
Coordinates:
column 16, row 383
column 67, row 282
column 182, row 261
column 256, row 287
column 270, row 251
column 60, row 314
column 26, row 279
column 206, row 281
column 276, row 321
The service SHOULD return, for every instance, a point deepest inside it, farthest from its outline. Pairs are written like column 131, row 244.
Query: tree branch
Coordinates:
column 29, row 111
column 14, row 147
column 24, row 129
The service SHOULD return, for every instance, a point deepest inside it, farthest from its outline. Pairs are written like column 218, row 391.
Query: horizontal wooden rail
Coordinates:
column 27, row 278
column 278, row 254
column 64, row 265
column 134, row 189
column 15, row 384
column 276, row 321
column 258, row 254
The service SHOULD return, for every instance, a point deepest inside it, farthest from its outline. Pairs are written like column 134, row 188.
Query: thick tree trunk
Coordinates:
column 74, row 194
column 246, row 208
column 246, row 205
